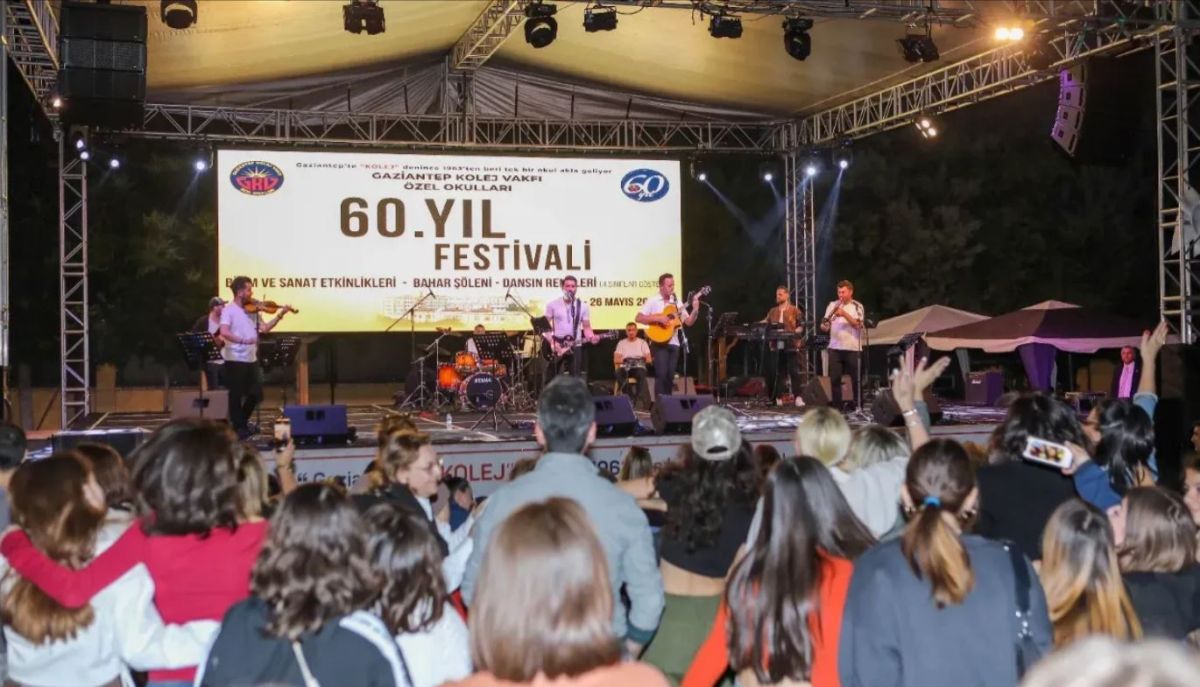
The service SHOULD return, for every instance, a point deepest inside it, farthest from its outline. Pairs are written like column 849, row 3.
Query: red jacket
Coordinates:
column 825, row 625
column 194, row 578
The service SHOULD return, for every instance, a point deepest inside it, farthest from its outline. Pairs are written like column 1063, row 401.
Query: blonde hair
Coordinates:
column 252, row 484
column 1103, row 662
column 544, row 604
column 1084, row 591
column 873, row 444
column 1160, row 535
column 399, row 446
column 822, row 434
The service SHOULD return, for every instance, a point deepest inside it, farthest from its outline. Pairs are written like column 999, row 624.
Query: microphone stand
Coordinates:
column 683, row 342
column 411, row 313
column 708, row 356
column 521, row 393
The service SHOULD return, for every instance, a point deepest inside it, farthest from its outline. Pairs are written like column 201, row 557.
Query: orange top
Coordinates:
column 825, row 625
column 619, row 675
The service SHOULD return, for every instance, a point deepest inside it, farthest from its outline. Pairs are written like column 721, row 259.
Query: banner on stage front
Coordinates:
column 355, row 240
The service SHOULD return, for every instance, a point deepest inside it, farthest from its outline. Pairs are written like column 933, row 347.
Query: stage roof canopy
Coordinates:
column 295, row 54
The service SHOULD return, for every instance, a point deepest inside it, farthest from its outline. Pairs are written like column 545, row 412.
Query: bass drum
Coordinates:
column 482, row 390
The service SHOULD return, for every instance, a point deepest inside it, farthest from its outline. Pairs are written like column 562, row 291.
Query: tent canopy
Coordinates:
column 277, row 46
column 931, row 318
column 1063, row 326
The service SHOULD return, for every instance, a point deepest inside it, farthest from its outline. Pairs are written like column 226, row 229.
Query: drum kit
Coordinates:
column 490, row 380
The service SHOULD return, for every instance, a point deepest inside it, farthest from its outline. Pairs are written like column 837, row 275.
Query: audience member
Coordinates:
column 414, row 604
column 252, row 486
column 1127, row 375
column 12, row 452
column 188, row 537
column 1103, row 662
column 61, row 508
column 308, row 620
column 1016, row 497
column 937, row 606
column 766, row 457
column 822, row 434
column 781, row 615
column 709, row 496
column 1156, row 547
column 1195, row 439
column 636, row 464
column 461, row 501
column 565, row 429
column 1082, row 580
column 112, row 474
column 1191, row 485
column 544, row 602
column 522, row 466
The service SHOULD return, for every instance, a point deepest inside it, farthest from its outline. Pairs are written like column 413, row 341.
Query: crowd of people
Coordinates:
column 866, row 558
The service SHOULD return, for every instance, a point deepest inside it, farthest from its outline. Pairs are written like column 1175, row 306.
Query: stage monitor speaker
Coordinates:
column 984, row 388
column 744, row 387
column 818, row 391
column 1098, row 109
column 213, row 405
column 102, row 75
column 614, row 416
column 885, row 411
column 124, row 441
column 673, row 414
column 319, row 424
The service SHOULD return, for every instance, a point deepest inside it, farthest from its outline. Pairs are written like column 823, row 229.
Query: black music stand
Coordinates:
column 199, row 349
column 278, row 352
column 493, row 346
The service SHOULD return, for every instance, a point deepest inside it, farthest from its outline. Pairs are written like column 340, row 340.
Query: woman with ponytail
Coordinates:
column 938, row 606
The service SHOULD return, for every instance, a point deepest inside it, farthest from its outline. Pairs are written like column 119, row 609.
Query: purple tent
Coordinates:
column 1038, row 331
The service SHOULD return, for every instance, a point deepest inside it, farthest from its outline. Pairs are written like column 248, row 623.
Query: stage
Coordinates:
column 484, row 454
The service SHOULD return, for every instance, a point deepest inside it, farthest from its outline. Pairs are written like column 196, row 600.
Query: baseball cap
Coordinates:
column 215, row 301
column 715, row 434
column 12, row 446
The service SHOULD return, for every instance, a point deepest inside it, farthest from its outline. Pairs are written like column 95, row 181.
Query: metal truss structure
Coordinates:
column 4, row 250
column 75, row 382
column 1065, row 31
column 1177, row 79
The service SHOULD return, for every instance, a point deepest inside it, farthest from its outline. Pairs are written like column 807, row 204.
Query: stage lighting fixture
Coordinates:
column 926, row 126
column 698, row 170
column 600, row 18
column 810, row 170
column 363, row 15
column 725, row 26
column 1009, row 34
column 80, row 144
column 178, row 14
column 114, row 163
column 702, row 176
column 796, row 40
column 85, row 155
column 56, row 102
column 541, row 28
column 919, row 47
column 200, row 164
column 768, row 177
column 843, row 163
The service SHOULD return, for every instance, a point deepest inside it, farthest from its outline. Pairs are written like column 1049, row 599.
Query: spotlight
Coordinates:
column 843, row 163
column 600, row 18
column 79, row 143
column 540, row 26
column 56, row 102
column 178, row 14
column 796, row 40
column 702, row 176
column 768, row 176
column 363, row 15
column 114, row 163
column 926, row 126
column 1009, row 34
column 85, row 155
column 725, row 26
column 200, row 164
column 810, row 170
column 918, row 47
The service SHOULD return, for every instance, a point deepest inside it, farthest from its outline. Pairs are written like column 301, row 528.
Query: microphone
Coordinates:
column 431, row 293
column 508, row 293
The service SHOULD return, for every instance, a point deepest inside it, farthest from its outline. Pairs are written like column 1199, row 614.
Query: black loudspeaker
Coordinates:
column 985, row 388
column 886, row 411
column 319, row 424
column 614, row 416
column 102, row 75
column 214, row 404
column 1178, row 407
column 123, row 440
column 818, row 391
column 1097, row 116
column 673, row 414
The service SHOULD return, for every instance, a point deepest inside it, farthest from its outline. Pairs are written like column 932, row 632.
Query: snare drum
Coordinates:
column 630, row 364
column 465, row 363
column 448, row 377
column 481, row 390
column 494, row 366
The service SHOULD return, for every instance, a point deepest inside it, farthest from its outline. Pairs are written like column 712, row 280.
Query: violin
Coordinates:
column 268, row 307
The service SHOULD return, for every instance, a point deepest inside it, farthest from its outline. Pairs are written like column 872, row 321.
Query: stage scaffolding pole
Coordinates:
column 4, row 245
column 75, row 379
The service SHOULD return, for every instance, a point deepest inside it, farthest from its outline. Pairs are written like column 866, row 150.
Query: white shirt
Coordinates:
column 843, row 336
column 656, row 304
column 244, row 328
column 459, row 542
column 563, row 320
column 638, row 348
column 127, row 633
column 873, row 492
column 472, row 348
column 1125, row 386
column 440, row 654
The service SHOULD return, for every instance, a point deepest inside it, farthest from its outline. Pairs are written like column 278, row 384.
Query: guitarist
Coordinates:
column 570, row 320
column 666, row 356
column 213, row 371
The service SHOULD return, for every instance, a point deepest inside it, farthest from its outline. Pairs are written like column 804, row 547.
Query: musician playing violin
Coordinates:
column 240, row 330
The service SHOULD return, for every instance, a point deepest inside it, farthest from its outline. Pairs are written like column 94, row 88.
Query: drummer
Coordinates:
column 471, row 348
column 631, row 358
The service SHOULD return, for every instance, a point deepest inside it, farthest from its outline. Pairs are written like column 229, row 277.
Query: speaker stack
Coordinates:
column 102, row 78
column 673, row 414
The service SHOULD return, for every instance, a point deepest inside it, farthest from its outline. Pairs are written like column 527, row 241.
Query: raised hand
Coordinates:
column 1152, row 342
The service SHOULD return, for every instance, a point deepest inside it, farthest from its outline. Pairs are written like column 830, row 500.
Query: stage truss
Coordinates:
column 1071, row 30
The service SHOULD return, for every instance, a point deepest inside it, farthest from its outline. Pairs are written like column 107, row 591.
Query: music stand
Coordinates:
column 493, row 346
column 199, row 349
column 278, row 352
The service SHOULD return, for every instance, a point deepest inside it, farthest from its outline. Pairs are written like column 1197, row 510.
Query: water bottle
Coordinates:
column 449, row 421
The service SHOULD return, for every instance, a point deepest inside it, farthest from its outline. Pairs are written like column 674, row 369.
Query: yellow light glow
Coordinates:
column 932, row 132
column 1002, row 33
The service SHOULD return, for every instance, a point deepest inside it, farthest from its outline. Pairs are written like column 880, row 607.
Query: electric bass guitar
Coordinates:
column 662, row 333
column 558, row 346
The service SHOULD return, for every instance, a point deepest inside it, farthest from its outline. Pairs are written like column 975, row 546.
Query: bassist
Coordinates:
column 570, row 321
column 666, row 355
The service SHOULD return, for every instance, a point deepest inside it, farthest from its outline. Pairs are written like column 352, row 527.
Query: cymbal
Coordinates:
column 446, row 331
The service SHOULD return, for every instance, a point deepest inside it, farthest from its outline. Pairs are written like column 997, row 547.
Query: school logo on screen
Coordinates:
column 645, row 185
column 256, row 178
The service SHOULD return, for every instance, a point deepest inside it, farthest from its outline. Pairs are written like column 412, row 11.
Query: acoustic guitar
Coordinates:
column 662, row 333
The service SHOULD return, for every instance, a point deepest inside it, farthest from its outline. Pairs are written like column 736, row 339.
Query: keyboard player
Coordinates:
column 784, row 317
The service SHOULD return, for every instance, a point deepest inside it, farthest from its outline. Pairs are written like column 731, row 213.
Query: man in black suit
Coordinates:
column 1127, row 375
